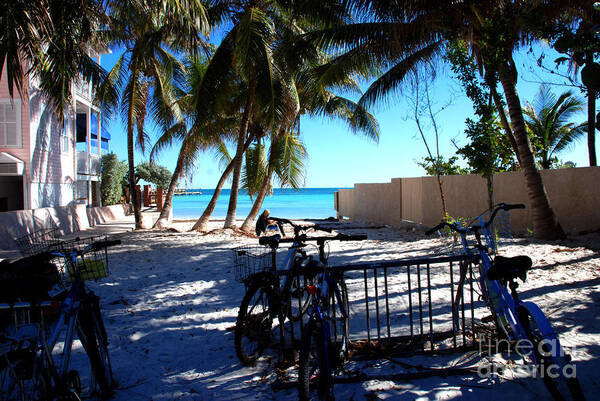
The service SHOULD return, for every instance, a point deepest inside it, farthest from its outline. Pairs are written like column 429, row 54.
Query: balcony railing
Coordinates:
column 83, row 88
column 88, row 164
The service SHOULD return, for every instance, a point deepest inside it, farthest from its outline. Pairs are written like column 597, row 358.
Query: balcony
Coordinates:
column 88, row 164
column 83, row 89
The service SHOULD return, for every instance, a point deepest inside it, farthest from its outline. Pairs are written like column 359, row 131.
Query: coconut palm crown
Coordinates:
column 549, row 122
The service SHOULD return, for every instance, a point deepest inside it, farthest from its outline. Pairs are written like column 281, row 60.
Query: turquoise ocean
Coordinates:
column 286, row 203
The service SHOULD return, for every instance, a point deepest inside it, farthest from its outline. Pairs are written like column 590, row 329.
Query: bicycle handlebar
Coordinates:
column 455, row 227
column 442, row 225
column 275, row 240
column 298, row 228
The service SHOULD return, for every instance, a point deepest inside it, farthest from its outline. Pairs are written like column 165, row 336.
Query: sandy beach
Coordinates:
column 171, row 301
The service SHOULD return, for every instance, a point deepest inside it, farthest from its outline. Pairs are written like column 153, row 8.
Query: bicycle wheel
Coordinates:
column 254, row 322
column 551, row 364
column 92, row 335
column 340, row 325
column 300, row 299
column 315, row 364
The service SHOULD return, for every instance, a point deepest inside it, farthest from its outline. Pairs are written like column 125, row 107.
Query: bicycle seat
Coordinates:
column 507, row 269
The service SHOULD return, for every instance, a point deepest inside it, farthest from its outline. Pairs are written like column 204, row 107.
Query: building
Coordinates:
column 44, row 163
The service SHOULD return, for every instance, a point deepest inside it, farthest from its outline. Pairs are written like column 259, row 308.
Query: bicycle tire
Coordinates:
column 92, row 335
column 254, row 321
column 561, row 388
column 315, row 364
column 341, row 325
column 300, row 300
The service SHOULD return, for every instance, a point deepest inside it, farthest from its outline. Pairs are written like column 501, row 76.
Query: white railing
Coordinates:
column 88, row 164
column 83, row 88
column 83, row 165
column 94, row 165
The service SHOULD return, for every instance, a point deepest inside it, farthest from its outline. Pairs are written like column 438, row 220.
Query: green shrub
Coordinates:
column 155, row 174
column 111, row 186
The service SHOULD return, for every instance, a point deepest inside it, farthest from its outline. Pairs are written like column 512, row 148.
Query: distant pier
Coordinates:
column 185, row 191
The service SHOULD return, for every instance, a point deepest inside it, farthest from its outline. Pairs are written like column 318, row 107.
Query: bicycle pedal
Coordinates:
column 488, row 319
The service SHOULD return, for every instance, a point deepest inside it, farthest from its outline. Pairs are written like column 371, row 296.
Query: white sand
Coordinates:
column 171, row 299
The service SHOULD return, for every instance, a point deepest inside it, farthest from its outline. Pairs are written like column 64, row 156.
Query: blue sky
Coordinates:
column 337, row 158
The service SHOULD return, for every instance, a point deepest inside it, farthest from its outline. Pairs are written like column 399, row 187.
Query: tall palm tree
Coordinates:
column 246, row 56
column 50, row 40
column 198, row 137
column 149, row 30
column 549, row 123
column 402, row 36
column 258, row 27
column 255, row 36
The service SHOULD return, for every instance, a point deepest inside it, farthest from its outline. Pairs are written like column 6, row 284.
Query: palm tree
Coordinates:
column 49, row 40
column 549, row 124
column 286, row 161
column 403, row 36
column 246, row 56
column 148, row 30
column 255, row 37
column 201, row 136
column 259, row 28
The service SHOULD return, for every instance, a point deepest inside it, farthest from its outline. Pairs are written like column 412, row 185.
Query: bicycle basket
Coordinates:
column 92, row 265
column 249, row 260
column 38, row 241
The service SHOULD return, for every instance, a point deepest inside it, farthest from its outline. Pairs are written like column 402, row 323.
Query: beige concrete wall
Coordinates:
column 380, row 203
column 575, row 197
column 574, row 194
column 346, row 203
column 69, row 219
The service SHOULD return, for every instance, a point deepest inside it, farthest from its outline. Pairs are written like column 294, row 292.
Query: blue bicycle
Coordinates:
column 521, row 322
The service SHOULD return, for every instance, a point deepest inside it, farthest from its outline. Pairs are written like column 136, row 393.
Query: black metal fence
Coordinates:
column 404, row 307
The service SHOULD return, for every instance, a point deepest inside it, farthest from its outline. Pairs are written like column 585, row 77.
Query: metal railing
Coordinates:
column 409, row 306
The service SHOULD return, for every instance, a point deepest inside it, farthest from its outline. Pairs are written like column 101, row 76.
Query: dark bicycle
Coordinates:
column 325, row 338
column 266, row 296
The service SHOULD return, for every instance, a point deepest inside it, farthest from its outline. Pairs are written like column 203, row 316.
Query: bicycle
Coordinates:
column 75, row 309
column 265, row 299
column 321, row 354
column 516, row 320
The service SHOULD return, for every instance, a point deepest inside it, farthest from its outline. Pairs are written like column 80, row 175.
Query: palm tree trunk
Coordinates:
column 202, row 222
column 545, row 224
column 260, row 197
column 237, row 160
column 591, row 117
column 130, row 155
column 504, row 121
column 165, row 214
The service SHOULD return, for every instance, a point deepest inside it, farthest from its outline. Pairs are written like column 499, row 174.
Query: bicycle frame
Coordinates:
column 496, row 296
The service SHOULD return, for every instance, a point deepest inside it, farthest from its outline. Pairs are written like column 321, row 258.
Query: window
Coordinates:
column 10, row 123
